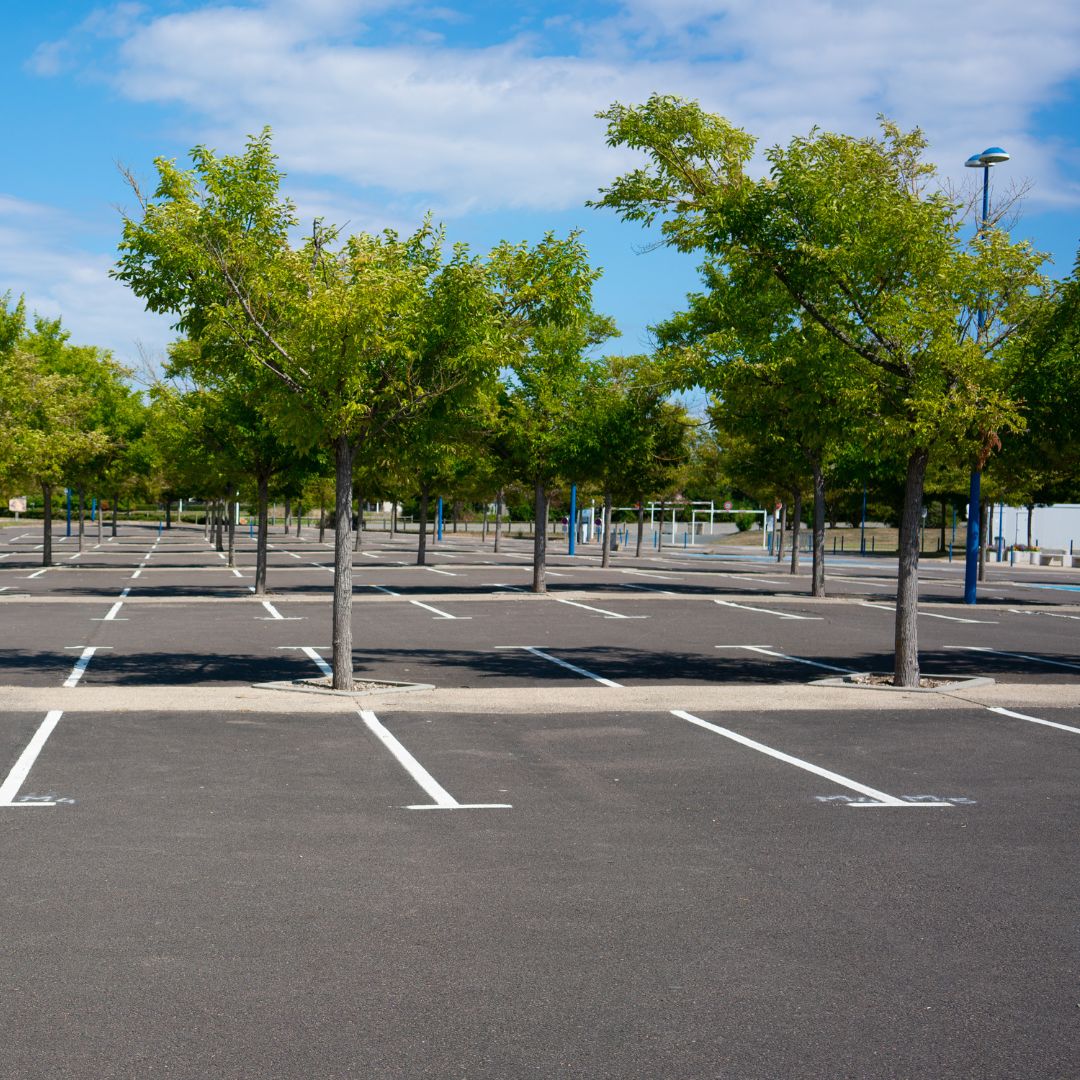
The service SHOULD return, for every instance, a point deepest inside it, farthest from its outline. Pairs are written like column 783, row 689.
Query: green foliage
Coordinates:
column 843, row 235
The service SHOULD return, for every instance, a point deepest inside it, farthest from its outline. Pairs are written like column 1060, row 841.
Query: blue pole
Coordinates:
column 93, row 509
column 573, row 519
column 1001, row 530
column 971, row 558
column 862, row 527
column 438, row 520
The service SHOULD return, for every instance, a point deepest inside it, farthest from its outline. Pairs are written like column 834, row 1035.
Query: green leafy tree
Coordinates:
column 546, row 294
column 855, row 241
column 353, row 332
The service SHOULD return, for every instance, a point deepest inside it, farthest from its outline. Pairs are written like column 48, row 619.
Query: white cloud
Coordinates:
column 57, row 278
column 512, row 125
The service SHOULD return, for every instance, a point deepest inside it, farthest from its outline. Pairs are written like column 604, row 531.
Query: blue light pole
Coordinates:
column 993, row 155
column 573, row 519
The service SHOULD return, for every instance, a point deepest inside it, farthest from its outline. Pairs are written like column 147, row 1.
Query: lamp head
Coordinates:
column 993, row 155
column 973, row 162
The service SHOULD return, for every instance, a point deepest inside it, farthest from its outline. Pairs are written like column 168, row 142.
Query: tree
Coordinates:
column 1042, row 371
column 47, row 409
column 631, row 439
column 855, row 241
column 546, row 294
column 355, row 332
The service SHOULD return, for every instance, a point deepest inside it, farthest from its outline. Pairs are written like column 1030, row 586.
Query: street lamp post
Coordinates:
column 993, row 155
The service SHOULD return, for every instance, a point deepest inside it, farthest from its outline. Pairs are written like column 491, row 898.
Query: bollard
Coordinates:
column 950, row 551
column 841, row 543
column 1012, row 556
column 873, row 544
column 159, row 527
column 251, row 529
column 685, row 538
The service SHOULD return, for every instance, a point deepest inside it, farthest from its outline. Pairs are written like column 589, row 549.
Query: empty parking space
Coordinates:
column 659, row 900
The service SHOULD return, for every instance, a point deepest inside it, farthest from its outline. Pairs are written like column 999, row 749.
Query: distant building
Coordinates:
column 1051, row 526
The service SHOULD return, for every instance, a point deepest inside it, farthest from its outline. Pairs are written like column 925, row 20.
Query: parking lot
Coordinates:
column 624, row 834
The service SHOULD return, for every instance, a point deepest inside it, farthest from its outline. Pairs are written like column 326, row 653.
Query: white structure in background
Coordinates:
column 1051, row 526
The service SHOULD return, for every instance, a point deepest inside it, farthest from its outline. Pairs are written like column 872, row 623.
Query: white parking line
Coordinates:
column 766, row 611
column 646, row 588
column 1015, row 655
column 19, row 771
column 438, row 613
column 37, row 573
column 432, row 570
column 766, row 650
column 83, row 661
column 601, row 611
column 322, row 665
column 441, row 798
column 1052, row 614
column 928, row 614
column 861, row 581
column 649, row 574
column 1033, row 719
column 111, row 616
column 7, row 555
column 237, row 572
column 562, row 663
column 276, row 615
column 382, row 588
column 77, row 555
column 879, row 798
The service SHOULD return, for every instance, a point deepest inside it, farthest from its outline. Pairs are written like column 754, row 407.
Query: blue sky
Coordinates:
column 483, row 112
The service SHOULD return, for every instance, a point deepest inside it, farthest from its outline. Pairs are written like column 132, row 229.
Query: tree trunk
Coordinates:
column 796, row 525
column 421, row 546
column 342, row 630
column 393, row 516
column 359, row 522
column 116, row 499
column 660, row 534
column 818, row 573
column 984, row 524
column 299, row 518
column 483, row 527
column 261, row 535
column 640, row 528
column 322, row 524
column 498, row 516
column 82, row 518
column 1031, row 515
column 288, row 514
column 605, row 557
column 168, row 513
column 906, row 672
column 943, row 510
column 46, row 547
column 539, row 584
column 454, row 513
column 100, row 526
column 231, row 511
column 219, row 523
column 780, row 533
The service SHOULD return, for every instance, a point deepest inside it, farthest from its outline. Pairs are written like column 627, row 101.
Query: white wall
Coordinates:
column 1051, row 526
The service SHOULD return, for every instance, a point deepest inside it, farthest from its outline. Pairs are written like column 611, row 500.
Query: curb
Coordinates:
column 310, row 686
column 957, row 682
